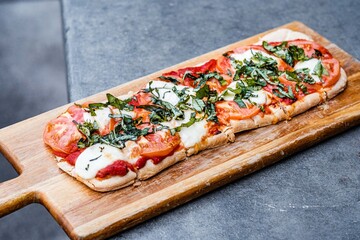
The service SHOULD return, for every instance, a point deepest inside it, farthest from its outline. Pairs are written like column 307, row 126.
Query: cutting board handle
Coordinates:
column 15, row 194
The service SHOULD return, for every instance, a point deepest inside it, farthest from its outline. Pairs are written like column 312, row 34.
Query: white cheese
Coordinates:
column 166, row 85
column 160, row 84
column 95, row 158
column 67, row 115
column 102, row 117
column 175, row 123
column 88, row 117
column 262, row 97
column 168, row 95
column 193, row 134
column 310, row 64
column 229, row 95
column 117, row 111
column 165, row 91
column 189, row 135
column 292, row 35
column 249, row 54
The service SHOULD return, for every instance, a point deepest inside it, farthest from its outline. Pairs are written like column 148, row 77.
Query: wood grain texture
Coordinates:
column 86, row 214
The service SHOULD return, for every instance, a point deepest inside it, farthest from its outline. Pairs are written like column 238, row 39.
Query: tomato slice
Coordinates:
column 215, row 85
column 159, row 144
column 140, row 98
column 108, row 128
column 77, row 113
column 309, row 48
column 62, row 135
column 333, row 67
column 209, row 66
column 230, row 110
column 206, row 67
column 223, row 65
column 143, row 114
column 311, row 88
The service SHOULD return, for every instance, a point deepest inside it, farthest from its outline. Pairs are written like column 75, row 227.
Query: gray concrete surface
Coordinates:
column 312, row 195
column 32, row 80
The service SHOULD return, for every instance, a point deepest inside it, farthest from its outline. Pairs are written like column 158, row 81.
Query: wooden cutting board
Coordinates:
column 85, row 214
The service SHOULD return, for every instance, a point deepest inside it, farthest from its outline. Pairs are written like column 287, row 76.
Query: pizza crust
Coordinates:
column 304, row 104
column 278, row 114
column 283, row 34
column 150, row 169
column 226, row 136
column 105, row 185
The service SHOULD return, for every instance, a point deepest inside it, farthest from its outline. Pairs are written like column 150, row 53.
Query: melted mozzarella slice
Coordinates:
column 193, row 134
column 310, row 64
column 175, row 123
column 249, row 54
column 99, row 156
column 189, row 135
column 117, row 111
column 95, row 158
column 168, row 95
column 160, row 84
column 262, row 97
column 102, row 117
column 229, row 95
column 165, row 91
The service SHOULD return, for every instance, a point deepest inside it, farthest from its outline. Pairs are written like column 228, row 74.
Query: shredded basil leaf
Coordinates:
column 320, row 70
column 171, row 79
column 289, row 54
column 198, row 104
column 281, row 93
column 203, row 92
column 210, row 111
column 89, row 130
column 118, row 103
column 187, row 124
column 240, row 102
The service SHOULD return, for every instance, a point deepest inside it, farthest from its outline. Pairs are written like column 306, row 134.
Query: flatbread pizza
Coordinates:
column 110, row 145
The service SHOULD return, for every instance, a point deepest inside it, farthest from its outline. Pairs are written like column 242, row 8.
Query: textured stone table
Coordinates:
column 312, row 195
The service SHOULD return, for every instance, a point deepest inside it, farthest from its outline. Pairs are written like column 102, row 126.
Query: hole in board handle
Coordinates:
column 7, row 171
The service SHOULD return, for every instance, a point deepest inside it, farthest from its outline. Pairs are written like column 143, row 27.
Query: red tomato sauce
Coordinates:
column 141, row 162
column 69, row 158
column 117, row 168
